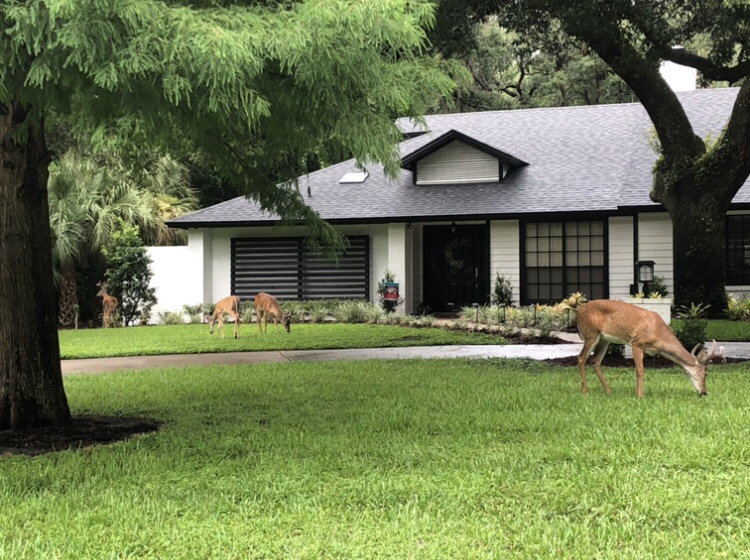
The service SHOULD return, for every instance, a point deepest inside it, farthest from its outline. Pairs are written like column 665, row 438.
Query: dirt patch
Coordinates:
column 648, row 362
column 83, row 432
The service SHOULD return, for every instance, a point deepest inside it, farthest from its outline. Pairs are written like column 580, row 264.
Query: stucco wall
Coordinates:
column 177, row 276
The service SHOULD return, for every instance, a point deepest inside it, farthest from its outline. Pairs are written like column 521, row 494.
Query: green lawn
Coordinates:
column 188, row 339
column 393, row 459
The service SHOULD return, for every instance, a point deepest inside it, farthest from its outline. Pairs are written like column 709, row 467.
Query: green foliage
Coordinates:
column 692, row 329
column 692, row 332
column 502, row 293
column 738, row 308
column 659, row 286
column 352, row 311
column 128, row 275
column 171, row 318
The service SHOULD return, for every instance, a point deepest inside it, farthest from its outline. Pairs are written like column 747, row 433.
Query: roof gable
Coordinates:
column 409, row 160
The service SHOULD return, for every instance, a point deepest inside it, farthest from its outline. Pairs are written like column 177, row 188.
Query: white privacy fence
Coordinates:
column 177, row 277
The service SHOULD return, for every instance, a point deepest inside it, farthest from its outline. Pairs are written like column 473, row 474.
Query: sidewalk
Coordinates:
column 535, row 351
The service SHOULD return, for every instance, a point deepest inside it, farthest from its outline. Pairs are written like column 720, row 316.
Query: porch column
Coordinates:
column 199, row 269
column 399, row 250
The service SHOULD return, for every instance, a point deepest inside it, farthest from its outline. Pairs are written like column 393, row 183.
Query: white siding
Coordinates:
column 655, row 244
column 505, row 255
column 397, row 260
column 457, row 162
column 621, row 262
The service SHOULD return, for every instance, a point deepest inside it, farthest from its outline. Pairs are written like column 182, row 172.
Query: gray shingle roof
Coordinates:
column 594, row 158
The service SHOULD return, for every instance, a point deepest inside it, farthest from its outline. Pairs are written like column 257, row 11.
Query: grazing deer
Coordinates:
column 109, row 304
column 266, row 304
column 231, row 306
column 601, row 322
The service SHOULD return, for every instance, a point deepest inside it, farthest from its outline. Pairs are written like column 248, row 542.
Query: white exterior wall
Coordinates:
column 505, row 254
column 221, row 258
column 621, row 261
column 655, row 244
column 457, row 162
column 177, row 276
column 397, row 261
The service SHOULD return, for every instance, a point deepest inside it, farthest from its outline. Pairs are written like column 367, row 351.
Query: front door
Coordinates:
column 455, row 267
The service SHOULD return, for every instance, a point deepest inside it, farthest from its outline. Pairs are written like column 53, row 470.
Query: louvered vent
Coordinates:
column 285, row 268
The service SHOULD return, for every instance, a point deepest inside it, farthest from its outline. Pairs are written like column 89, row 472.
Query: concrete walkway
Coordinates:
column 535, row 351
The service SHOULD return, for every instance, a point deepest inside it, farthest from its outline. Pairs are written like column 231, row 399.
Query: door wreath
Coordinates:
column 458, row 253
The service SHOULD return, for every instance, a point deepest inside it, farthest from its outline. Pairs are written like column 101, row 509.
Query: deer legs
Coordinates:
column 600, row 345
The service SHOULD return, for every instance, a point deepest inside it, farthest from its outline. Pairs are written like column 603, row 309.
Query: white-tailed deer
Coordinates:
column 265, row 305
column 109, row 304
column 231, row 306
column 601, row 322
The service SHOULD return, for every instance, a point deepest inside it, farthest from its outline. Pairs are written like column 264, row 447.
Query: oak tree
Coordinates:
column 694, row 179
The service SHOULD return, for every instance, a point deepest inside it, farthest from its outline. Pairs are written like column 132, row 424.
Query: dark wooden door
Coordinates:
column 455, row 266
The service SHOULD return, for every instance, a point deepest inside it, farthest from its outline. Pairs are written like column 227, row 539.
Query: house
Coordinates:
column 556, row 200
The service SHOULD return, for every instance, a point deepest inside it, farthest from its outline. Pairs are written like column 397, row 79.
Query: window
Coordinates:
column 286, row 268
column 738, row 250
column 562, row 258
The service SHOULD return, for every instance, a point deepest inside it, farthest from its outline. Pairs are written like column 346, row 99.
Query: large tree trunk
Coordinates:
column 68, row 297
column 31, row 387
column 698, row 211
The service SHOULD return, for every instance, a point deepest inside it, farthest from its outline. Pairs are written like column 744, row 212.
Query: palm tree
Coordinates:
column 90, row 198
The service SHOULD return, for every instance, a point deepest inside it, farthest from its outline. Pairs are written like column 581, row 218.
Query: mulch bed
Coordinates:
column 83, row 432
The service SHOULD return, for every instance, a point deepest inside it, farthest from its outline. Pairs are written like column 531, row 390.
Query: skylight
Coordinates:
column 355, row 177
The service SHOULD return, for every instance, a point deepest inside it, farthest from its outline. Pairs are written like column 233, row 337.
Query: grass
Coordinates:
column 723, row 330
column 189, row 339
column 393, row 459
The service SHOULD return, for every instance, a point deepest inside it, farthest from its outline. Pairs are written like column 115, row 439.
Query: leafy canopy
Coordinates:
column 252, row 87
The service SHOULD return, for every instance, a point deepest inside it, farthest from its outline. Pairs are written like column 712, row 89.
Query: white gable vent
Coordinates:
column 458, row 162
column 354, row 177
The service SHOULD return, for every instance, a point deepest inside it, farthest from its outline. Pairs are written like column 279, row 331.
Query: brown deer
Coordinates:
column 109, row 304
column 266, row 304
column 231, row 306
column 601, row 322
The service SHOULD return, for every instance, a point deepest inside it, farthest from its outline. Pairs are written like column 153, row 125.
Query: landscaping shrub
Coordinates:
column 738, row 309
column 502, row 294
column 352, row 311
column 172, row 318
column 692, row 332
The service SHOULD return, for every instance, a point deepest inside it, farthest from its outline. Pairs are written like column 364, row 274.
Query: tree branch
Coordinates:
column 678, row 140
column 733, row 151
column 709, row 70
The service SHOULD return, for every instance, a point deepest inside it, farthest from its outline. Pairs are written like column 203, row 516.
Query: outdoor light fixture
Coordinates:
column 453, row 227
column 645, row 273
column 409, row 226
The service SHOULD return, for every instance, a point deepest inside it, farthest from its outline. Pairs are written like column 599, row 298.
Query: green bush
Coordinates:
column 692, row 332
column 129, row 275
column 738, row 309
column 172, row 318
column 352, row 311
column 502, row 294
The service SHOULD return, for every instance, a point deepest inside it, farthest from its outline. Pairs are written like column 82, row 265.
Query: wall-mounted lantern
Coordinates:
column 644, row 271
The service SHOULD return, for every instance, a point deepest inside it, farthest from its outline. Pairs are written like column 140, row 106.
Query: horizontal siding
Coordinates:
column 505, row 255
column 655, row 244
column 457, row 163
column 621, row 260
